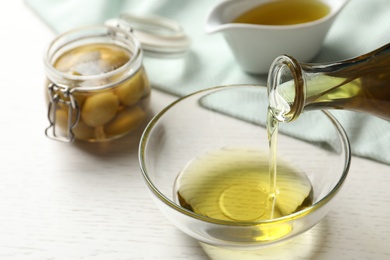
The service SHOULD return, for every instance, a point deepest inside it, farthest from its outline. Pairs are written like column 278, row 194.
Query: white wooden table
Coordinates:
column 86, row 201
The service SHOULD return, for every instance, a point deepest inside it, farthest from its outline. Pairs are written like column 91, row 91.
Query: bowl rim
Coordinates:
column 296, row 215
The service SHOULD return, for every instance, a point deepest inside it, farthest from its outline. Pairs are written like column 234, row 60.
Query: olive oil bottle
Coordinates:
column 360, row 84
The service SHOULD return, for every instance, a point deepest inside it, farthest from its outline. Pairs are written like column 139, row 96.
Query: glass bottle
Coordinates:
column 359, row 84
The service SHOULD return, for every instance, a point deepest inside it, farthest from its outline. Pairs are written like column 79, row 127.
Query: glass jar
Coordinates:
column 360, row 84
column 97, row 88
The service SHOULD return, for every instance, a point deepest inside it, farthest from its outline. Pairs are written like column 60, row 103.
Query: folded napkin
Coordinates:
column 361, row 27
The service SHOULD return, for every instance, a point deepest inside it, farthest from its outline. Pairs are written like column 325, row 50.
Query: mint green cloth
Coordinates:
column 361, row 27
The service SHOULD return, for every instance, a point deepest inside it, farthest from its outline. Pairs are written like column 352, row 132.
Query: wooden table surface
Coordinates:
column 88, row 201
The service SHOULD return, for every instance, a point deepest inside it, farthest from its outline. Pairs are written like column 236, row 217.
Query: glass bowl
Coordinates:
column 191, row 146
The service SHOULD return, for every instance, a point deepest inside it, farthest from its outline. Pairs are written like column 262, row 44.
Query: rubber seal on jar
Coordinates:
column 159, row 36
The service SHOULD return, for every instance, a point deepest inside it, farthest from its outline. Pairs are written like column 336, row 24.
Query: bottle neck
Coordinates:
column 286, row 89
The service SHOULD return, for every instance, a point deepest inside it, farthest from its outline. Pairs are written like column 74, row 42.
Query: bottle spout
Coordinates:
column 213, row 26
column 286, row 89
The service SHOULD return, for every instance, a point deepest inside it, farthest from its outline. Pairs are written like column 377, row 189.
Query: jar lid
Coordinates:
column 159, row 36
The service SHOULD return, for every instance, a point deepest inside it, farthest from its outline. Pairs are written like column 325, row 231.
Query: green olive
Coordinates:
column 80, row 98
column 132, row 90
column 83, row 132
column 99, row 109
column 112, row 58
column 125, row 121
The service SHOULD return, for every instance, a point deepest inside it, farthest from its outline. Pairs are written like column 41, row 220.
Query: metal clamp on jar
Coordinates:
column 97, row 87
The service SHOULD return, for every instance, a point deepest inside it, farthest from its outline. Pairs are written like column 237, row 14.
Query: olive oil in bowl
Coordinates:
column 233, row 184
